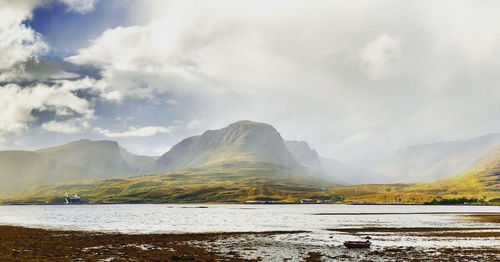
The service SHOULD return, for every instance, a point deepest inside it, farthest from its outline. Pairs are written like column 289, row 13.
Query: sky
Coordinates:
column 355, row 79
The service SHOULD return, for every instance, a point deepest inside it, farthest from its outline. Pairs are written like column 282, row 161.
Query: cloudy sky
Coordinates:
column 356, row 79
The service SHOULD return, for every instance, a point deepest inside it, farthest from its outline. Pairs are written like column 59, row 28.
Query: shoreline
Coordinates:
column 236, row 203
column 19, row 243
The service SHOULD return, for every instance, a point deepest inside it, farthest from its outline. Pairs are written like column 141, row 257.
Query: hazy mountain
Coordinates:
column 241, row 144
column 228, row 182
column 481, row 181
column 304, row 155
column 140, row 164
column 83, row 159
column 234, row 182
column 244, row 160
column 486, row 171
column 332, row 168
column 95, row 157
column 243, row 141
column 435, row 160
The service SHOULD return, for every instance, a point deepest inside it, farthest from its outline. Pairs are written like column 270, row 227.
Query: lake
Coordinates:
column 182, row 218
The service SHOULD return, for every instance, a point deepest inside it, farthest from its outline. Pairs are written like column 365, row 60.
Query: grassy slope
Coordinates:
column 464, row 185
column 240, row 141
column 77, row 160
column 240, row 181
column 481, row 181
column 223, row 183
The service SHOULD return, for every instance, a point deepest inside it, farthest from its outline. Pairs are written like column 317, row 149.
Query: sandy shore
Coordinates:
column 29, row 244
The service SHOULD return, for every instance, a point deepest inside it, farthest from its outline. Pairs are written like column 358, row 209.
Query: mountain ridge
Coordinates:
column 240, row 141
column 437, row 160
column 76, row 160
column 235, row 150
column 481, row 181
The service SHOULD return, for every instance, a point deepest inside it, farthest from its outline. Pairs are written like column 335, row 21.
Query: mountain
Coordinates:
column 83, row 159
column 331, row 168
column 304, row 155
column 487, row 171
column 238, row 145
column 481, row 181
column 225, row 183
column 243, row 141
column 243, row 161
column 140, row 164
column 436, row 160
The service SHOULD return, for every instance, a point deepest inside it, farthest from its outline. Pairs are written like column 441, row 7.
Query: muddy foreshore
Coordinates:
column 31, row 244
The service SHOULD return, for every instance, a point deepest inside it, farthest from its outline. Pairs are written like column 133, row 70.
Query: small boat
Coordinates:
column 357, row 244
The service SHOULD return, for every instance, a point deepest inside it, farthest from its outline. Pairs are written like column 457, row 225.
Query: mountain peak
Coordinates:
column 304, row 154
column 244, row 140
column 248, row 123
column 80, row 143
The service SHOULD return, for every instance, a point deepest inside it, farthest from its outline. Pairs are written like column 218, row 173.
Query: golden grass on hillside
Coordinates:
column 215, row 184
column 466, row 185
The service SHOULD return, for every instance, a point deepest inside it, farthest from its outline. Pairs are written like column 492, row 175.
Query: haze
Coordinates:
column 355, row 79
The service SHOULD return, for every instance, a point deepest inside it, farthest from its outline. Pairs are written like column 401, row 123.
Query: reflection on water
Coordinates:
column 217, row 218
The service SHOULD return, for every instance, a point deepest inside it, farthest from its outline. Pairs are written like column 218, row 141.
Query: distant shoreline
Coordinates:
column 241, row 203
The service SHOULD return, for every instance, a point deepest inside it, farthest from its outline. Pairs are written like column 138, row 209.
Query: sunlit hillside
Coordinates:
column 234, row 182
column 481, row 181
column 83, row 159
column 240, row 141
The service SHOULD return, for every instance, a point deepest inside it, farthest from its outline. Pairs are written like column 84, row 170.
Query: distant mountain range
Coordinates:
column 480, row 181
column 245, row 160
column 427, row 162
column 83, row 159
column 240, row 144
column 245, row 152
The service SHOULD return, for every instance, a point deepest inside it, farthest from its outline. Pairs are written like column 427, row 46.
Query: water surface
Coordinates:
column 179, row 218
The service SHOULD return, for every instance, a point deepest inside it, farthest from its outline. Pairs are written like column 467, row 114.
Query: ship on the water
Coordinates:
column 74, row 199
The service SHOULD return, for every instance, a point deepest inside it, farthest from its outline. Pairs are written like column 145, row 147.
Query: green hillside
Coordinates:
column 83, row 159
column 243, row 161
column 428, row 162
column 240, row 141
column 481, row 182
column 231, row 182
column 249, row 154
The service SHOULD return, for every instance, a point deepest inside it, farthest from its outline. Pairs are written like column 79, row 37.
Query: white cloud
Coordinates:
column 135, row 131
column 328, row 72
column 379, row 56
column 20, row 47
column 67, row 127
column 140, row 61
column 172, row 102
column 80, row 6
column 193, row 124
column 17, row 104
column 18, row 42
column 113, row 95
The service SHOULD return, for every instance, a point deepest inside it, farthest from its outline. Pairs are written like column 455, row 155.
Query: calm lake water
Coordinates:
column 178, row 218
column 315, row 219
